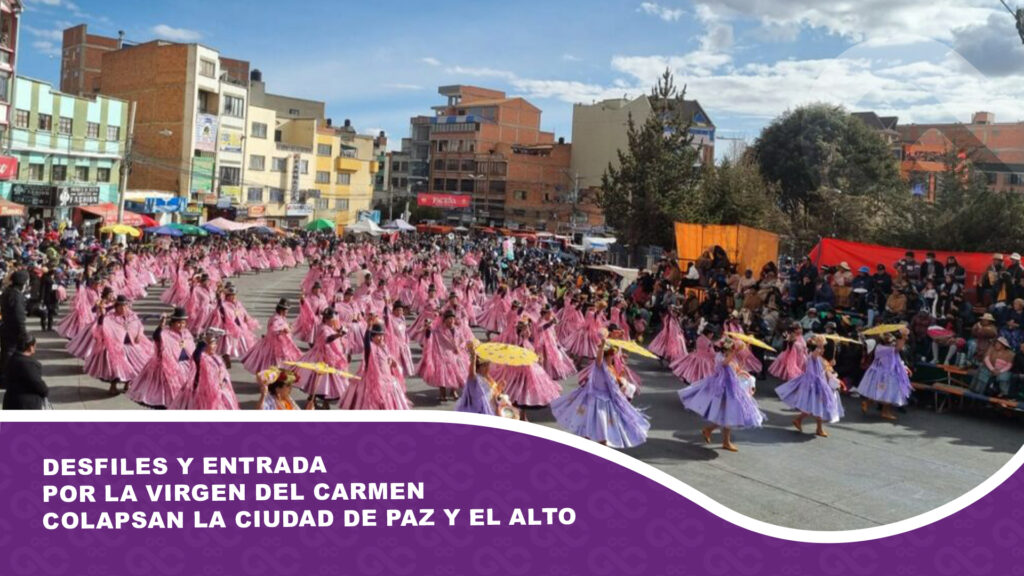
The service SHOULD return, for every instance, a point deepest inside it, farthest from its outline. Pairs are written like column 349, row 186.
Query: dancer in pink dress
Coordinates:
column 120, row 348
column 238, row 326
column 311, row 306
column 170, row 369
column 527, row 385
column 583, row 343
column 276, row 346
column 445, row 361
column 379, row 386
column 670, row 343
column 744, row 355
column 82, row 315
column 793, row 359
column 553, row 358
column 494, row 312
column 396, row 339
column 211, row 387
column 699, row 364
column 327, row 348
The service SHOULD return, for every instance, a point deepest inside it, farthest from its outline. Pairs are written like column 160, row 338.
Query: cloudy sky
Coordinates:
column 747, row 61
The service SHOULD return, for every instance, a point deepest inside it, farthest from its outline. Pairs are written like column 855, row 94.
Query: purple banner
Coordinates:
column 446, row 499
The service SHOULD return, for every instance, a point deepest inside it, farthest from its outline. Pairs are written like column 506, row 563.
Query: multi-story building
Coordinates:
column 490, row 160
column 381, row 179
column 190, row 117
column 10, row 16
column 81, row 59
column 279, row 175
column 69, row 149
column 996, row 150
column 599, row 132
column 409, row 167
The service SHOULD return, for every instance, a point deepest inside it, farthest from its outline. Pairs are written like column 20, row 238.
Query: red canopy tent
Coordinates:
column 108, row 212
column 8, row 208
column 831, row 251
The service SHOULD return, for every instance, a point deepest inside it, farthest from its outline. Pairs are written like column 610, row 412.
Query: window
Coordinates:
column 498, row 168
column 113, row 132
column 257, row 162
column 1016, row 179
column 341, row 204
column 206, row 104
column 519, row 195
column 304, row 166
column 323, row 204
column 451, row 185
column 103, row 174
column 278, row 164
column 293, row 111
column 259, row 130
column 452, row 165
column 438, row 183
column 498, row 186
column 442, row 145
column 82, row 173
column 254, row 195
column 277, row 195
column 35, row 171
column 21, row 119
column 465, row 185
column 277, row 135
column 992, row 178
column 234, row 106
column 92, row 130
column 5, row 87
column 45, row 122
column 324, row 150
column 348, row 152
column 344, row 178
column 468, row 166
column 207, row 68
column 64, row 125
column 438, row 164
column 323, row 177
column 58, row 173
column 230, row 176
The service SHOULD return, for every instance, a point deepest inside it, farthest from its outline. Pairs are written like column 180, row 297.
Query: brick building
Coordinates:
column 489, row 149
column 81, row 59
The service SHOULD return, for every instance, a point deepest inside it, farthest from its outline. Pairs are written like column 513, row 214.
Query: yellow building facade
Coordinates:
column 344, row 175
column 280, row 168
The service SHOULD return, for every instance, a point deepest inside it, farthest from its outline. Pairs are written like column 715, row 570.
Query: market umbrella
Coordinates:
column 321, row 369
column 633, row 347
column 838, row 338
column 320, row 224
column 121, row 229
column 506, row 354
column 213, row 229
column 189, row 229
column 883, row 329
column 164, row 231
column 747, row 338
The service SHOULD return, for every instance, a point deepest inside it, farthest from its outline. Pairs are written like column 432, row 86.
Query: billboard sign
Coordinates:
column 444, row 200
column 206, row 133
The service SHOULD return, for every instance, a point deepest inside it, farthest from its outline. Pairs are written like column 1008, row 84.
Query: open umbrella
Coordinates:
column 747, row 338
column 121, row 229
column 320, row 224
column 213, row 230
column 838, row 338
column 164, row 231
column 189, row 229
column 506, row 354
column 883, row 329
column 633, row 347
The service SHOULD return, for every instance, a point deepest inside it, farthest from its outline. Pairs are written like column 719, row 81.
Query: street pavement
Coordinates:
column 869, row 472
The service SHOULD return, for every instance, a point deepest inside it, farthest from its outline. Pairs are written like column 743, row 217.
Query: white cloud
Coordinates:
column 571, row 58
column 481, row 72
column 864, row 19
column 175, row 34
column 400, row 86
column 46, row 48
column 431, row 60
column 665, row 13
column 55, row 34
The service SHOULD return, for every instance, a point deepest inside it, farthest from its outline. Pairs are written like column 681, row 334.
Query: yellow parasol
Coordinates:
column 838, row 338
column 883, row 329
column 633, row 347
column 320, row 368
column 506, row 354
column 748, row 339
column 121, row 229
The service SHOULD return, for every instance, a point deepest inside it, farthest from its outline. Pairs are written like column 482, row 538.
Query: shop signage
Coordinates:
column 165, row 205
column 298, row 210
column 444, row 200
column 77, row 195
column 257, row 211
column 33, row 195
column 8, row 167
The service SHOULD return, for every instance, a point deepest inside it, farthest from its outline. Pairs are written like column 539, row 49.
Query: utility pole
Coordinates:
column 126, row 160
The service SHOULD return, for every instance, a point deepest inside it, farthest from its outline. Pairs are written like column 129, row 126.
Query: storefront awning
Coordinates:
column 8, row 208
column 108, row 212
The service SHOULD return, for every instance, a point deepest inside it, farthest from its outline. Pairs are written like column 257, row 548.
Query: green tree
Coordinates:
column 656, row 182
column 735, row 193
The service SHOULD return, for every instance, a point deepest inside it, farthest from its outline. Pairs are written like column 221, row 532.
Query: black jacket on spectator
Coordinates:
column 13, row 313
column 26, row 389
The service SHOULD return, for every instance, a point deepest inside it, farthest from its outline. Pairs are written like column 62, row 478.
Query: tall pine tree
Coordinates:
column 656, row 182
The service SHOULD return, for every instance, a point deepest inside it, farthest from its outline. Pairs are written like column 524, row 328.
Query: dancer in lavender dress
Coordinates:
column 725, row 398
column 815, row 392
column 599, row 410
column 887, row 380
column 478, row 395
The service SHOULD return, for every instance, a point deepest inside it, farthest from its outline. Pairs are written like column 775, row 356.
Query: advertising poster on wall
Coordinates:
column 206, row 133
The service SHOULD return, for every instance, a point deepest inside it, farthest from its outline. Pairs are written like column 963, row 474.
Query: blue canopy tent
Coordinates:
column 164, row 231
